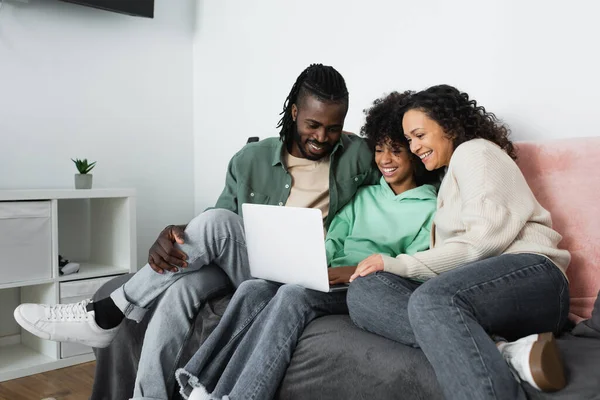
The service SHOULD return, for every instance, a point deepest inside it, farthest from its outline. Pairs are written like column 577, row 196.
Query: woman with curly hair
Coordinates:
column 393, row 217
column 249, row 351
column 494, row 267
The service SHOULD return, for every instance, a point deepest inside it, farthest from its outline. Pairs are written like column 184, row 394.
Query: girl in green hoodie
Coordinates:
column 249, row 351
column 393, row 217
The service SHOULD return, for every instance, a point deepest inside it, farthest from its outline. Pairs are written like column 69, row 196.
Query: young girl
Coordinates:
column 495, row 267
column 249, row 351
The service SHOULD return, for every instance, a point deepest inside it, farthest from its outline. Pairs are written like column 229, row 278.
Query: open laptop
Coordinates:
column 287, row 245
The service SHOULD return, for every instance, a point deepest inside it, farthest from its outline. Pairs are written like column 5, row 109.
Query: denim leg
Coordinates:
column 267, row 349
column 209, row 362
column 215, row 236
column 378, row 303
column 170, row 326
column 253, row 367
column 453, row 315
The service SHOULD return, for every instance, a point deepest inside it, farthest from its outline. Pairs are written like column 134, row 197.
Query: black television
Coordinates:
column 140, row 8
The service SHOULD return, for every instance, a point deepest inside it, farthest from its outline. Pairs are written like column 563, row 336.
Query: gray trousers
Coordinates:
column 214, row 239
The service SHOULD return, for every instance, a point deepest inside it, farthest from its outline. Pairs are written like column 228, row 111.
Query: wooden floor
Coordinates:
column 73, row 383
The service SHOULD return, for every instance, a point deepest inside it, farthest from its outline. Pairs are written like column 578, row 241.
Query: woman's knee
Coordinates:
column 430, row 298
column 372, row 288
column 360, row 290
column 361, row 293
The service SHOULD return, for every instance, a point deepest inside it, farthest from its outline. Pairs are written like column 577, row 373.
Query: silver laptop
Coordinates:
column 287, row 245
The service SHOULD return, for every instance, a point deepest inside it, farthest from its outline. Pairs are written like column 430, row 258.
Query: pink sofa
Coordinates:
column 564, row 175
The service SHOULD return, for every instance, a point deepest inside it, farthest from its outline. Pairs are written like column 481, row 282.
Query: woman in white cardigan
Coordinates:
column 494, row 268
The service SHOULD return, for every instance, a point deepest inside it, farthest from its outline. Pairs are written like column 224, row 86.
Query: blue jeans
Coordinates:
column 452, row 316
column 216, row 248
column 248, row 353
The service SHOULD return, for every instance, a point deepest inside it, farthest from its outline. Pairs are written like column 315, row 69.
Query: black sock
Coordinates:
column 107, row 314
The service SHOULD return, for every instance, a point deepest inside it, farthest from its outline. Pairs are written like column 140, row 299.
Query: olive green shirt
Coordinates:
column 257, row 174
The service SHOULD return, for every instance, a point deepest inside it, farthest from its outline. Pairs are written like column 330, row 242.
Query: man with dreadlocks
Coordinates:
column 248, row 353
column 311, row 164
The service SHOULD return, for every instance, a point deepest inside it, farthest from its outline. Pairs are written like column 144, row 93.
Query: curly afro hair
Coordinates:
column 459, row 116
column 384, row 124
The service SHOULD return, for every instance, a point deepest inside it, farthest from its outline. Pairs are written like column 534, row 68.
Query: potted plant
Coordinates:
column 83, row 180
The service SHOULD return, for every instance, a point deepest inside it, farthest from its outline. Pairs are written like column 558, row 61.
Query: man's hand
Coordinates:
column 367, row 266
column 163, row 255
column 338, row 275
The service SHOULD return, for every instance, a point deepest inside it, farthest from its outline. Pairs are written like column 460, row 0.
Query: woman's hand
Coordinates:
column 339, row 275
column 367, row 266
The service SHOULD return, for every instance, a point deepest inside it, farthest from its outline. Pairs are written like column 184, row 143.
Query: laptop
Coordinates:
column 287, row 245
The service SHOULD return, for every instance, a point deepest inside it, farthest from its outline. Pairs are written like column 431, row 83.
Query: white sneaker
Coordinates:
column 199, row 394
column 536, row 360
column 64, row 323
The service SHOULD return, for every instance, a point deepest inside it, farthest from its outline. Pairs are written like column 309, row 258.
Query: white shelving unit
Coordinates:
column 95, row 228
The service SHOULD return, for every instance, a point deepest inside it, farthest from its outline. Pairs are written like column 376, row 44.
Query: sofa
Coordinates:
column 336, row 360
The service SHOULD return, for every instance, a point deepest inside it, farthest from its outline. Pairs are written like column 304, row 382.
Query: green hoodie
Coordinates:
column 377, row 221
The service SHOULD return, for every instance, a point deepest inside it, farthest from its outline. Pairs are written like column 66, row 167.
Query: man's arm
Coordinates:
column 340, row 228
column 163, row 255
column 228, row 198
column 338, row 232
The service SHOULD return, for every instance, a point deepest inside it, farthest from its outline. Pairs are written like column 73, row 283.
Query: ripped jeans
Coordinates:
column 248, row 353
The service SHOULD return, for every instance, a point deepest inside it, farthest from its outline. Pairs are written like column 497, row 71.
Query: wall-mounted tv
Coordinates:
column 141, row 8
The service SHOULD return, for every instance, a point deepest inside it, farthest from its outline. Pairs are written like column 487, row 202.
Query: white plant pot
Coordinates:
column 83, row 181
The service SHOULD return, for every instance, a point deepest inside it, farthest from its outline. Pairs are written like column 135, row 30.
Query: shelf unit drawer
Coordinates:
column 26, row 246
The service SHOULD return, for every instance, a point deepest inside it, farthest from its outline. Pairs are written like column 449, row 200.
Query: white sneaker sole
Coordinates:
column 546, row 364
column 28, row 326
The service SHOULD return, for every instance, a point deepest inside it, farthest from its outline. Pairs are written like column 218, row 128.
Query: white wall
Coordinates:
column 81, row 82
column 534, row 63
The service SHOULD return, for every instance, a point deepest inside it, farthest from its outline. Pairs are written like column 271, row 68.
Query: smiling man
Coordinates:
column 312, row 164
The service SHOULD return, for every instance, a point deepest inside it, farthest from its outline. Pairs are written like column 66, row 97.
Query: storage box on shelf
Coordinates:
column 95, row 228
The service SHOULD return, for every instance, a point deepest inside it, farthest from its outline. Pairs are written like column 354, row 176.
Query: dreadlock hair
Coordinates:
column 318, row 80
column 384, row 125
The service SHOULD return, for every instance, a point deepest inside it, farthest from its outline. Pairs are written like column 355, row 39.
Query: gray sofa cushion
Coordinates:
column 591, row 327
column 336, row 360
column 582, row 359
column 581, row 353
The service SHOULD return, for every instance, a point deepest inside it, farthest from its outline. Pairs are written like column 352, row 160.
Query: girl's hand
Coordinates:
column 367, row 266
column 338, row 275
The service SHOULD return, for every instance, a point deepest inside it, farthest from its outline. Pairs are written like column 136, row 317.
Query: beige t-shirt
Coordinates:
column 310, row 183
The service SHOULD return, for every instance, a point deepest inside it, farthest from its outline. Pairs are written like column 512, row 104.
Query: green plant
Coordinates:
column 82, row 165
